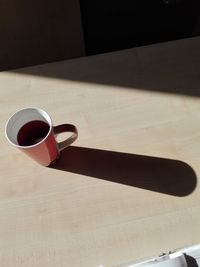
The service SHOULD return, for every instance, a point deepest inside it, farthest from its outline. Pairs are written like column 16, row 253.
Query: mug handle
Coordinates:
column 66, row 128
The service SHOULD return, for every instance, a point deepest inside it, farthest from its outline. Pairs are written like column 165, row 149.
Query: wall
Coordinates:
column 34, row 32
column 114, row 25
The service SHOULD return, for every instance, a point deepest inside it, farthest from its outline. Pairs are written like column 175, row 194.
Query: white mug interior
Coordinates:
column 20, row 118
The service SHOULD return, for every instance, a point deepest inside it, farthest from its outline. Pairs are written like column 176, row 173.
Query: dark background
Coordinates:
column 115, row 25
column 37, row 32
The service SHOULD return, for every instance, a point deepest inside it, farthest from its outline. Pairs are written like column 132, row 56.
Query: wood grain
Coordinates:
column 74, row 214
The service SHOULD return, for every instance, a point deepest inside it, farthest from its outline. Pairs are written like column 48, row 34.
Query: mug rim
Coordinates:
column 34, row 145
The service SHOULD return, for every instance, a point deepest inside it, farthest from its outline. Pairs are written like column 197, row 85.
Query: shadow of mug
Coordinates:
column 172, row 177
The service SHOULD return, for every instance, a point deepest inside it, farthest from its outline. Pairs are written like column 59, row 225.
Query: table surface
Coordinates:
column 128, row 188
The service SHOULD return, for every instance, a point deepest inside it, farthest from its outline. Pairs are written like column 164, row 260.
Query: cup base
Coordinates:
column 54, row 161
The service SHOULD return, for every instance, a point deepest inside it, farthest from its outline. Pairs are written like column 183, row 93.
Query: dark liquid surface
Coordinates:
column 32, row 133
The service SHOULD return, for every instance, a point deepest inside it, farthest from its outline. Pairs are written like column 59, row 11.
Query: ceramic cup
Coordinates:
column 31, row 130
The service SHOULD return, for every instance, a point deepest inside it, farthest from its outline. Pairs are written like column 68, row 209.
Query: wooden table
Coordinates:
column 128, row 188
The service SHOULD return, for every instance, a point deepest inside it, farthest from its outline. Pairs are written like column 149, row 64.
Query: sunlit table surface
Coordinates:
column 128, row 188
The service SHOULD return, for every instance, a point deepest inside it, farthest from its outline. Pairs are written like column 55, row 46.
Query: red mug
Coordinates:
column 31, row 130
